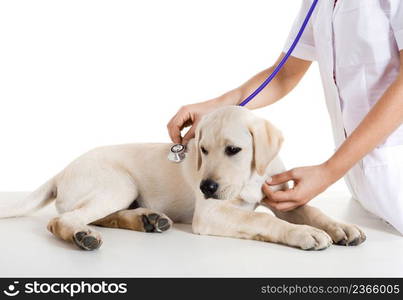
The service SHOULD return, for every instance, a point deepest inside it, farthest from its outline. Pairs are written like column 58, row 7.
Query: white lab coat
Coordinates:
column 356, row 44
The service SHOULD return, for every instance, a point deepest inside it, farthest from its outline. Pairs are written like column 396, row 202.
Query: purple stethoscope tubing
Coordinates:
column 285, row 58
column 177, row 152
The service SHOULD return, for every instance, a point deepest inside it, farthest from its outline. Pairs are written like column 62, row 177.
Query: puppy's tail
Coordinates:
column 34, row 201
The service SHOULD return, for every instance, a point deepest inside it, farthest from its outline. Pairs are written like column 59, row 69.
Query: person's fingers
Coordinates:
column 282, row 206
column 281, row 178
column 277, row 196
column 177, row 123
column 174, row 134
column 183, row 118
column 174, row 130
column 267, row 190
column 189, row 135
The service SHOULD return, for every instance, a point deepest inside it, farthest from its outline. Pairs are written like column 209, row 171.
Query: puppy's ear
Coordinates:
column 198, row 151
column 267, row 141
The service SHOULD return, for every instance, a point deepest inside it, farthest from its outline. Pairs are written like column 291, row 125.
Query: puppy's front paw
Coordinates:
column 308, row 238
column 346, row 234
column 154, row 222
column 87, row 240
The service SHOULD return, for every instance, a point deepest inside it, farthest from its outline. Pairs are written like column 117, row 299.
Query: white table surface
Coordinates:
column 28, row 249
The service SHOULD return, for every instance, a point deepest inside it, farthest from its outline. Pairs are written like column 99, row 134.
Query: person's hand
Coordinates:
column 308, row 183
column 189, row 115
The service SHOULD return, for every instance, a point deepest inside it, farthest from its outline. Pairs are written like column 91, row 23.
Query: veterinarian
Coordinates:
column 359, row 48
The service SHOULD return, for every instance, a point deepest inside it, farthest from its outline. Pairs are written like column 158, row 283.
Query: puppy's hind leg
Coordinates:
column 139, row 219
column 72, row 225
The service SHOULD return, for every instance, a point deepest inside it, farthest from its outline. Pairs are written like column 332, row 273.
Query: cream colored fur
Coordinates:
column 98, row 187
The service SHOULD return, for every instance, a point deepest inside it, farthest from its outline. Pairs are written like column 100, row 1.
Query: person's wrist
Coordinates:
column 232, row 97
column 332, row 171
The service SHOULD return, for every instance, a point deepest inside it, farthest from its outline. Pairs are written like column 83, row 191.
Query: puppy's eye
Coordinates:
column 203, row 150
column 232, row 150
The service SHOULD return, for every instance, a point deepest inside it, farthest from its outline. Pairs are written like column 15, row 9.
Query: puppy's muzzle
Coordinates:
column 209, row 188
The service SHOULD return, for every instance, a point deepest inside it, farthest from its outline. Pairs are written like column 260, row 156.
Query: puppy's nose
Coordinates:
column 208, row 187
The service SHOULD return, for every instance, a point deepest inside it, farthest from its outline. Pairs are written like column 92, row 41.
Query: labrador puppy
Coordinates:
column 216, row 189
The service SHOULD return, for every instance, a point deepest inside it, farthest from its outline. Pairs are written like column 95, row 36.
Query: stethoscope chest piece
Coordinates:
column 177, row 153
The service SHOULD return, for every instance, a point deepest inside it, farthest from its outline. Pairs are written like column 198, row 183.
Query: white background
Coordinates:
column 79, row 74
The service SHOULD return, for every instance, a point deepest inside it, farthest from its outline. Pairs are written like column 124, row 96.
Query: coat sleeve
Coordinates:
column 306, row 47
column 396, row 21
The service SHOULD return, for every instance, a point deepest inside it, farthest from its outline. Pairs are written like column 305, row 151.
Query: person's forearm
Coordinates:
column 281, row 85
column 384, row 117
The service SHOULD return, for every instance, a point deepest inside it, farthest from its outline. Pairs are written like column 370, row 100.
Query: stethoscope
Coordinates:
column 177, row 152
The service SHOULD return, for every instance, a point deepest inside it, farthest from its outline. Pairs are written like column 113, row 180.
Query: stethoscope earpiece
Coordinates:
column 177, row 153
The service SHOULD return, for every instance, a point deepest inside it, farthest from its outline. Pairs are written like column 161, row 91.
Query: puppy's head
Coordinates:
column 231, row 143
